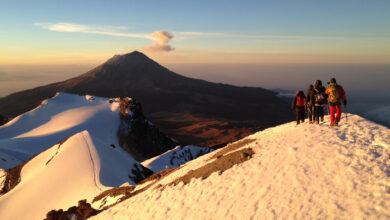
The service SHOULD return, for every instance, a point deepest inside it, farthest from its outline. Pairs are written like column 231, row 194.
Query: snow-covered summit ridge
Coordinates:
column 56, row 119
column 299, row 172
column 116, row 122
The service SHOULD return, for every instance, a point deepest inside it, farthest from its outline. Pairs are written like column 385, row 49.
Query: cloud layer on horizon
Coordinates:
column 162, row 38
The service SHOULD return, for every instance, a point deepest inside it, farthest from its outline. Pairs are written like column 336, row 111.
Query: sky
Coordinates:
column 47, row 41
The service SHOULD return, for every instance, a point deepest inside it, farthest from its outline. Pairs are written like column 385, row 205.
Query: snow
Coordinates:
column 59, row 177
column 2, row 178
column 175, row 157
column 55, row 120
column 297, row 172
column 286, row 95
column 106, row 201
column 88, row 161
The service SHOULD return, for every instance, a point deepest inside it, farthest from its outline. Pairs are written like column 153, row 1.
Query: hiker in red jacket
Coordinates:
column 336, row 94
column 298, row 105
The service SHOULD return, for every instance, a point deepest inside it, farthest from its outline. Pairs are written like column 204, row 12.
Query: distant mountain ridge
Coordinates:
column 174, row 102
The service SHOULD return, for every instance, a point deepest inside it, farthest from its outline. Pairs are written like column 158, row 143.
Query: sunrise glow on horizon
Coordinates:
column 47, row 32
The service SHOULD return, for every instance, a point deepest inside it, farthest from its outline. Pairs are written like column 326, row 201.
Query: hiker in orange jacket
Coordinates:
column 336, row 94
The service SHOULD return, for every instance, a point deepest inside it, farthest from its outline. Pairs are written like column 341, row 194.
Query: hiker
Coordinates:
column 319, row 101
column 336, row 94
column 309, row 103
column 298, row 105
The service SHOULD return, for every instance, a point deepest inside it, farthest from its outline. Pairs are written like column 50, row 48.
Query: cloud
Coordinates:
column 161, row 38
column 160, row 44
column 190, row 35
column 90, row 29
column 179, row 35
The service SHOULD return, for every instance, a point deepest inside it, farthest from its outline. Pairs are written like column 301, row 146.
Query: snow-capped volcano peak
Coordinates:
column 298, row 172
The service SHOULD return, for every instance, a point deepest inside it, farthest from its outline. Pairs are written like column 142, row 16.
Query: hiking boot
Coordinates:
column 322, row 118
column 317, row 122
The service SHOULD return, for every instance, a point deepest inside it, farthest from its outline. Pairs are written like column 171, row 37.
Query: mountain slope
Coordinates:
column 80, row 167
column 73, row 148
column 67, row 114
column 174, row 102
column 297, row 172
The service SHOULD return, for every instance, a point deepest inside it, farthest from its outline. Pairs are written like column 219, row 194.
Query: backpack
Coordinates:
column 333, row 93
column 300, row 101
column 319, row 97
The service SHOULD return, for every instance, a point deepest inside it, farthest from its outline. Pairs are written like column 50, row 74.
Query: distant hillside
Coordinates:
column 191, row 110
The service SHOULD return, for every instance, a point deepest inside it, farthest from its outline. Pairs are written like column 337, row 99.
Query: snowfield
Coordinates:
column 54, row 120
column 175, row 157
column 297, row 172
column 81, row 155
column 55, row 179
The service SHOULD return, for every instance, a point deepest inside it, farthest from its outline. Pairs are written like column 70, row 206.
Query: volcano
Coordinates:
column 190, row 110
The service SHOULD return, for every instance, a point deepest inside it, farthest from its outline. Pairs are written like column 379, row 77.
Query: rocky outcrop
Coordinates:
column 80, row 212
column 137, row 135
column 3, row 120
column 186, row 155
column 12, row 178
column 139, row 173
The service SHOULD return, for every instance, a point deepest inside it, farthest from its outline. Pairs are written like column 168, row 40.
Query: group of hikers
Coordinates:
column 317, row 98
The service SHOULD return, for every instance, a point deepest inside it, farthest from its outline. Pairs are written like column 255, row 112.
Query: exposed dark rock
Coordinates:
column 177, row 159
column 140, row 173
column 80, row 212
column 232, row 147
column 3, row 120
column 114, row 192
column 12, row 178
column 137, row 135
column 223, row 163
column 159, row 175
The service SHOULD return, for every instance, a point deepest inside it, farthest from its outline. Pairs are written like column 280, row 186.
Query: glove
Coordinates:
column 345, row 102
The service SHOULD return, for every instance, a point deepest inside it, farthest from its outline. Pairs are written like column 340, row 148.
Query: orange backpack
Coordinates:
column 333, row 93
